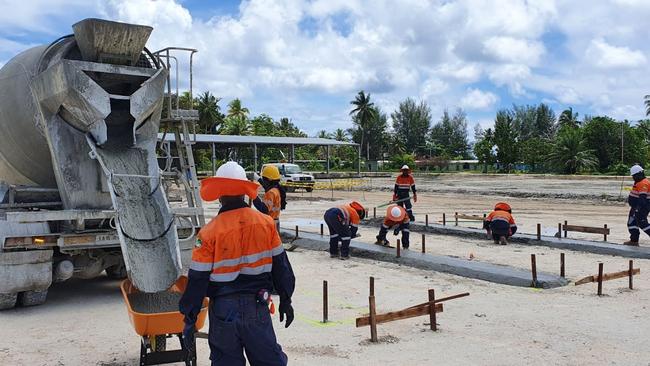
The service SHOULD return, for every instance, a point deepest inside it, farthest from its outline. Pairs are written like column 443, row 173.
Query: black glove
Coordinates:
column 396, row 231
column 286, row 310
column 188, row 336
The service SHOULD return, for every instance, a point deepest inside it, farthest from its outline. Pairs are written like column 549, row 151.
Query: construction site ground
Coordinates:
column 85, row 322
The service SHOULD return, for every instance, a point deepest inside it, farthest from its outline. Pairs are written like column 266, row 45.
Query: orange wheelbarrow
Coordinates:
column 156, row 328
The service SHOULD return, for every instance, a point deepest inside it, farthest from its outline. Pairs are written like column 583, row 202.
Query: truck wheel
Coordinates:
column 116, row 272
column 8, row 301
column 310, row 189
column 32, row 298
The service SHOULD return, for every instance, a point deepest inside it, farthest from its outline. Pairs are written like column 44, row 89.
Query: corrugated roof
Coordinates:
column 260, row 140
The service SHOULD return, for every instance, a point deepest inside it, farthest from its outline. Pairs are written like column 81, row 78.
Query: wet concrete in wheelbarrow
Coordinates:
column 157, row 302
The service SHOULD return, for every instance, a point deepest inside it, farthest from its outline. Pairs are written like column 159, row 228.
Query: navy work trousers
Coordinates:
column 637, row 220
column 338, row 232
column 406, row 204
column 238, row 324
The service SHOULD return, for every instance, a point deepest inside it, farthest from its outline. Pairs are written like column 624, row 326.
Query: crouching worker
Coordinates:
column 237, row 260
column 639, row 206
column 396, row 217
column 275, row 196
column 500, row 224
column 342, row 223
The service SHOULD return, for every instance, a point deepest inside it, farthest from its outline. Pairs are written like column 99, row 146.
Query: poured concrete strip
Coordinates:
column 461, row 267
column 588, row 246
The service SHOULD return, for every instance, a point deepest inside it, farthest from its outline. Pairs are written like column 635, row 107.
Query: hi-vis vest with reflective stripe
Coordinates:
column 273, row 202
column 241, row 241
column 640, row 187
column 501, row 216
column 350, row 215
column 404, row 183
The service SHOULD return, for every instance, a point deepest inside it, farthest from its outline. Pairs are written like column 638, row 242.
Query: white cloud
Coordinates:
column 476, row 99
column 607, row 56
column 509, row 49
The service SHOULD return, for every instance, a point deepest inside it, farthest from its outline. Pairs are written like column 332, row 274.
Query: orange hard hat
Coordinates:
column 230, row 180
column 359, row 208
column 502, row 206
column 395, row 213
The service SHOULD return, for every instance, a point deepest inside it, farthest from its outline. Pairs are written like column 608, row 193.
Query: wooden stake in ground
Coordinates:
column 374, row 212
column 371, row 284
column 444, row 219
column 605, row 233
column 600, row 279
column 533, row 265
column 456, row 217
column 325, row 302
column 424, row 249
column 321, row 230
column 398, row 248
column 426, row 220
column 296, row 231
column 565, row 230
column 562, row 265
column 432, row 309
column 373, row 319
column 539, row 231
column 631, row 274
column 559, row 230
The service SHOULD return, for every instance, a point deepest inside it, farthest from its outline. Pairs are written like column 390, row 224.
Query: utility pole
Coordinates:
column 622, row 141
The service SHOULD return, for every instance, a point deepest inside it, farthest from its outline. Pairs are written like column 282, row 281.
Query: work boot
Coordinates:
column 344, row 257
column 502, row 240
column 334, row 255
column 632, row 243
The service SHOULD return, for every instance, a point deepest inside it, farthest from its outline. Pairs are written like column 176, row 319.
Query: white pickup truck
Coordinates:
column 293, row 178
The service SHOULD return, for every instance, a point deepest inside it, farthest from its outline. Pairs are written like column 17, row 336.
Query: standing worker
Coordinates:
column 342, row 223
column 500, row 224
column 275, row 196
column 237, row 260
column 403, row 185
column 639, row 206
column 395, row 216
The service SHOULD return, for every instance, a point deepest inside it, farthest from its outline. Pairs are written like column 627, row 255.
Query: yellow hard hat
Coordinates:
column 271, row 172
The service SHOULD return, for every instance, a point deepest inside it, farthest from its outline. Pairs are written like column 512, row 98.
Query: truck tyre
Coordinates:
column 32, row 298
column 8, row 301
column 116, row 272
column 309, row 189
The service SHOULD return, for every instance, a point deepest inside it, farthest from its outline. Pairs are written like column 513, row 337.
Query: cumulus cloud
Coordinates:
column 607, row 56
column 476, row 99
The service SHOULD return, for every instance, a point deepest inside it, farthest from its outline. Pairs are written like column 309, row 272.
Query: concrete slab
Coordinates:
column 605, row 248
column 461, row 267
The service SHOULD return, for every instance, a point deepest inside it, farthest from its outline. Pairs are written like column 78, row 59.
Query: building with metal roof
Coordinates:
column 211, row 141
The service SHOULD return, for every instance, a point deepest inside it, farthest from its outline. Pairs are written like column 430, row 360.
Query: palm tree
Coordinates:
column 363, row 113
column 185, row 101
column 323, row 134
column 210, row 116
column 569, row 153
column 568, row 118
column 646, row 101
column 340, row 135
column 235, row 126
column 235, row 109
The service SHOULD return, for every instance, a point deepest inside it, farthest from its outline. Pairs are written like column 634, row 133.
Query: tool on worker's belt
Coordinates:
column 395, row 201
column 263, row 296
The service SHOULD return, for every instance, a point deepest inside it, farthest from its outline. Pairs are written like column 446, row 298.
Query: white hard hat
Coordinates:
column 635, row 169
column 231, row 170
column 395, row 211
column 405, row 167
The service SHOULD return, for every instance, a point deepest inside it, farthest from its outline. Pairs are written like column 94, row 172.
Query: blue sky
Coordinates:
column 307, row 59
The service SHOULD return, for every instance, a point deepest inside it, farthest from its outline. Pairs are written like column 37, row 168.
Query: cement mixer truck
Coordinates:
column 81, row 188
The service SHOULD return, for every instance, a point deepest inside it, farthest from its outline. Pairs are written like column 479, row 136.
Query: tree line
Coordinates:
column 525, row 137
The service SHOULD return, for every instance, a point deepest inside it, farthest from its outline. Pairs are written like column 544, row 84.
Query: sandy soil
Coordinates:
column 85, row 322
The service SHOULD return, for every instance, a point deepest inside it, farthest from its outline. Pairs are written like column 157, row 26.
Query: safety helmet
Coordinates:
column 503, row 207
column 271, row 172
column 395, row 213
column 636, row 169
column 405, row 167
column 230, row 180
column 359, row 208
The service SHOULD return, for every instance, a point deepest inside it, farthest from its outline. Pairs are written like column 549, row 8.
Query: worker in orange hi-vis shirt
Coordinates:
column 404, row 184
column 637, row 219
column 275, row 196
column 500, row 224
column 397, row 218
column 343, row 223
column 238, row 259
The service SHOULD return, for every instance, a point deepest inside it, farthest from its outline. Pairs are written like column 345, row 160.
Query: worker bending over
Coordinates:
column 342, row 223
column 237, row 260
column 403, row 185
column 275, row 196
column 500, row 224
column 395, row 217
column 639, row 207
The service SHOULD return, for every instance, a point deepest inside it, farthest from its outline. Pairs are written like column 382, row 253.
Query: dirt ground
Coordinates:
column 85, row 322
